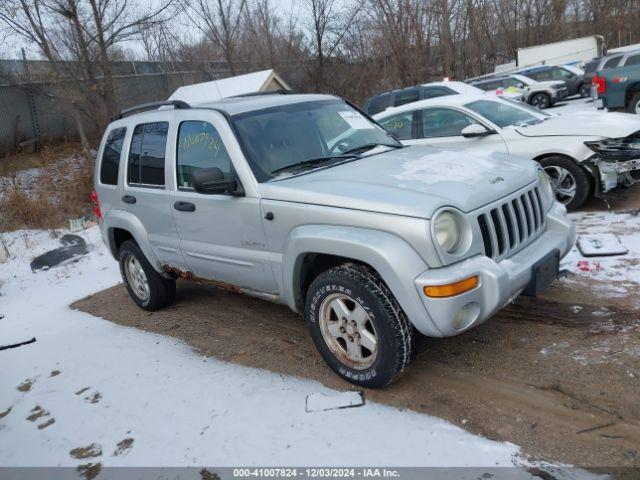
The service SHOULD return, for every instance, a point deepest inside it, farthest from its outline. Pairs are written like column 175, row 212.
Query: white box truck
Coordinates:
column 576, row 51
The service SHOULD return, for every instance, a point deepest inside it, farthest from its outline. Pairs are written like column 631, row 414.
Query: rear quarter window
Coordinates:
column 110, row 162
column 147, row 153
column 378, row 104
column 633, row 60
column 611, row 63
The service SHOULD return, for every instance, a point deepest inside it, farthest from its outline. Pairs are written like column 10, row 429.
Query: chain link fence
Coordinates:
column 33, row 112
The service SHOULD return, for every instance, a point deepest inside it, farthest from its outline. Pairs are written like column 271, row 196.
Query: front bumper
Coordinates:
column 500, row 282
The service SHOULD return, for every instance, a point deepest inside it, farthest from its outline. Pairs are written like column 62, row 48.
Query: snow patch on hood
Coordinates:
column 453, row 167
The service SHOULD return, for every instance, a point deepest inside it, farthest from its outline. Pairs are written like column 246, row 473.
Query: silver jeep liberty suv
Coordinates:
column 306, row 201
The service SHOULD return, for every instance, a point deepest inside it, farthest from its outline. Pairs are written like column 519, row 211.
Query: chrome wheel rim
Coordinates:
column 563, row 183
column 638, row 108
column 348, row 331
column 136, row 278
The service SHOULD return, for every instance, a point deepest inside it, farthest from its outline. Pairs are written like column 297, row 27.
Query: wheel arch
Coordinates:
column 312, row 249
column 585, row 167
column 631, row 92
column 122, row 226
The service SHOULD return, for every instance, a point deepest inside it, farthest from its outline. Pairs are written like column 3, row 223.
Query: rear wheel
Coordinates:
column 540, row 100
column 634, row 104
column 585, row 90
column 570, row 182
column 146, row 287
column 357, row 325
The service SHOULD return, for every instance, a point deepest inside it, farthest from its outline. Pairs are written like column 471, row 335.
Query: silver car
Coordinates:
column 304, row 200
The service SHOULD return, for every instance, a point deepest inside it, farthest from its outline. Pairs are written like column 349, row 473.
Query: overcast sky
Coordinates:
column 10, row 47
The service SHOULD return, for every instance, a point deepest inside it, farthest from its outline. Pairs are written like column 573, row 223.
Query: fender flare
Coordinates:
column 129, row 222
column 392, row 257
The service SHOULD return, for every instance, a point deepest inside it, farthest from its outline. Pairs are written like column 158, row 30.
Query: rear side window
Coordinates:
column 406, row 96
column 433, row 92
column 378, row 104
column 633, row 60
column 200, row 146
column 401, row 125
column 147, row 152
column 110, row 163
column 611, row 63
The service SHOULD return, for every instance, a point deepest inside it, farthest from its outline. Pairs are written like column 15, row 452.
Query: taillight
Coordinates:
column 600, row 83
column 96, row 204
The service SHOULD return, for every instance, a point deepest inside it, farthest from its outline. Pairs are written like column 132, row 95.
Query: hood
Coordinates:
column 412, row 181
column 586, row 124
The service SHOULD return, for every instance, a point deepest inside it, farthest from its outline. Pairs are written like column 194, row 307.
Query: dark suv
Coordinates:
column 572, row 77
column 600, row 63
column 395, row 98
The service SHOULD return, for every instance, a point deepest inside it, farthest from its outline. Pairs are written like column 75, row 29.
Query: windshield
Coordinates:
column 503, row 114
column 293, row 137
column 526, row 106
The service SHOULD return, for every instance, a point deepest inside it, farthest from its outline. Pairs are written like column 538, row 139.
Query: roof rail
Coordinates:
column 178, row 104
column 281, row 91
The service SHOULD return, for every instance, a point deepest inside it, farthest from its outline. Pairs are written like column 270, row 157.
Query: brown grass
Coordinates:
column 60, row 193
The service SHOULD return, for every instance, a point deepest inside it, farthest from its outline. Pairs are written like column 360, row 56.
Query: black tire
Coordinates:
column 540, row 100
column 392, row 328
column 580, row 176
column 162, row 291
column 634, row 104
column 584, row 90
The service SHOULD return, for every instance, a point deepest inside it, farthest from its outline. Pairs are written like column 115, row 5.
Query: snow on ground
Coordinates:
column 574, row 105
column 615, row 275
column 90, row 387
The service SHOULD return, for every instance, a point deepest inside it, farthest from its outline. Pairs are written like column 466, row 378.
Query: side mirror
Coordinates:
column 211, row 181
column 476, row 130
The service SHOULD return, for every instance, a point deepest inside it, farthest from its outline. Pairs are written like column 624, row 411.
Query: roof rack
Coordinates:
column 178, row 104
column 281, row 91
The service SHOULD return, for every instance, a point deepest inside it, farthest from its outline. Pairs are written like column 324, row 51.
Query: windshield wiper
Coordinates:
column 369, row 146
column 314, row 161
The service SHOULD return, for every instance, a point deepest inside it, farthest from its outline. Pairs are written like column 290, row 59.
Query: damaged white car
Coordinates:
column 583, row 153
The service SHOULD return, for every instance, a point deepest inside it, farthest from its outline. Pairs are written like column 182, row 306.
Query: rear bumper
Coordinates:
column 500, row 282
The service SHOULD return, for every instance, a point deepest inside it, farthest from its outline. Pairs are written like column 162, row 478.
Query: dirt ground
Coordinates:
column 558, row 375
column 562, row 380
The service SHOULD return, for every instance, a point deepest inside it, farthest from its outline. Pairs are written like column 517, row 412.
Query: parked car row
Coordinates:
column 608, row 62
column 541, row 94
column 395, row 98
column 583, row 154
column 617, row 87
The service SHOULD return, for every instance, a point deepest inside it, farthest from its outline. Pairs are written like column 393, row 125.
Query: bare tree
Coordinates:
column 329, row 23
column 220, row 22
column 78, row 39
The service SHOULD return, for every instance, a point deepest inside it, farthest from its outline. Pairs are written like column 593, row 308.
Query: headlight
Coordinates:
column 447, row 229
column 546, row 190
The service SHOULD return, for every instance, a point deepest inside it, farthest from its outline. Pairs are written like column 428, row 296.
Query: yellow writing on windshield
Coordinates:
column 201, row 139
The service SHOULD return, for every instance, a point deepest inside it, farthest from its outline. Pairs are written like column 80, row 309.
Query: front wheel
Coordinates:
column 634, row 104
column 541, row 101
column 570, row 182
column 357, row 325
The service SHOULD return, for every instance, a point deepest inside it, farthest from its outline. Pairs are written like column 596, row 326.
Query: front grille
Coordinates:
column 512, row 225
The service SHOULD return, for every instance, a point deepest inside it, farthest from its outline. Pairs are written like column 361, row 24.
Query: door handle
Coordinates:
column 128, row 199
column 184, row 206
